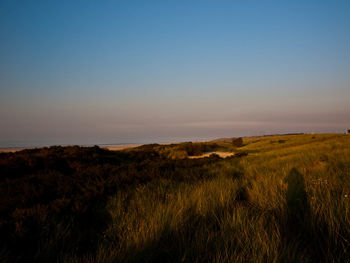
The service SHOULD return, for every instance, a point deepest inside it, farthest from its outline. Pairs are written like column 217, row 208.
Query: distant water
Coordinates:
column 47, row 143
column 33, row 144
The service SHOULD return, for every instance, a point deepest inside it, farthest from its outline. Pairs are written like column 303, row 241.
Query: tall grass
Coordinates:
column 270, row 213
column 287, row 201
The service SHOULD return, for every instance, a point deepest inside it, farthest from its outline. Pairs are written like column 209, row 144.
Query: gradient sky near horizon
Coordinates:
column 92, row 72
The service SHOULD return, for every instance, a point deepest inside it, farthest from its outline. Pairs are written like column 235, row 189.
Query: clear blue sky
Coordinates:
column 152, row 71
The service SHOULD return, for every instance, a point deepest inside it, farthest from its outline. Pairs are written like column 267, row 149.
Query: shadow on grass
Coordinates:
column 302, row 239
column 298, row 208
column 197, row 239
column 205, row 238
column 295, row 223
column 201, row 237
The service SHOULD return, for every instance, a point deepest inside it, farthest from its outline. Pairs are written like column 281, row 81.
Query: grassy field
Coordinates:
column 255, row 217
column 286, row 201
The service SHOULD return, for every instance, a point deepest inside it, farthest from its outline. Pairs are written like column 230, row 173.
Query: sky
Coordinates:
column 95, row 72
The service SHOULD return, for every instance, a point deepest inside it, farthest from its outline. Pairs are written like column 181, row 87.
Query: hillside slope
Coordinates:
column 286, row 201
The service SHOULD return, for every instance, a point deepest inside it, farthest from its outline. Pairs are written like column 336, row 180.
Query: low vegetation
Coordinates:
column 278, row 199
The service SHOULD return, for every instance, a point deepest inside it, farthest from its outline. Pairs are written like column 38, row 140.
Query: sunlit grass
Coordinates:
column 241, row 218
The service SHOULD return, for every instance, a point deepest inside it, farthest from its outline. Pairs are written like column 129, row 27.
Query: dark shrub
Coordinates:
column 242, row 154
column 192, row 149
column 215, row 155
column 237, row 142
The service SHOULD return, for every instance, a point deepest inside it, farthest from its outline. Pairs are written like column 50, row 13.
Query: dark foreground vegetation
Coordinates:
column 286, row 201
column 53, row 200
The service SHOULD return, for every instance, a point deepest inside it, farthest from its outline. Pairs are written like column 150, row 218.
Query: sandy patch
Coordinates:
column 221, row 154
